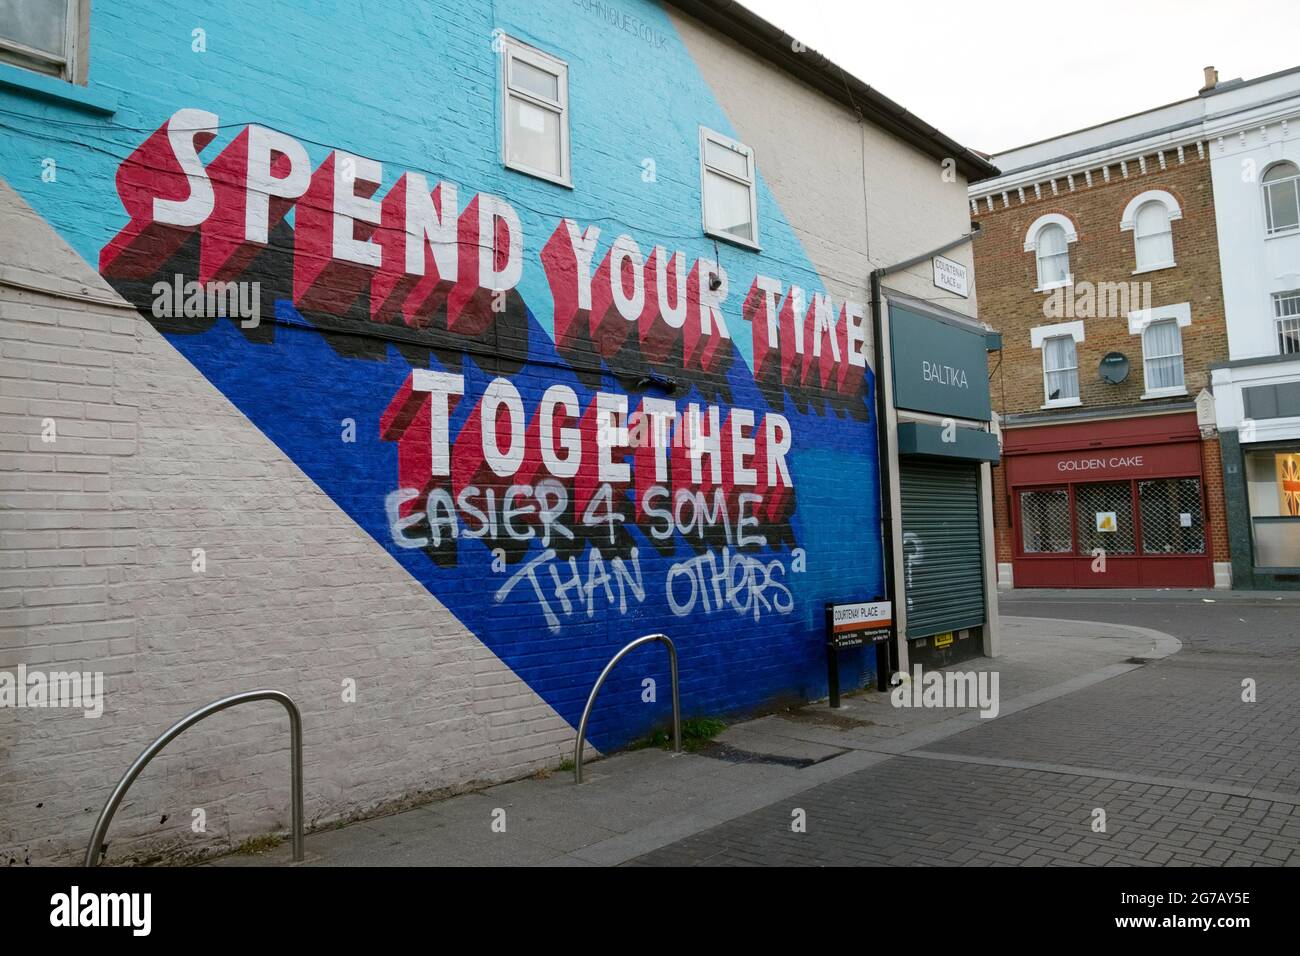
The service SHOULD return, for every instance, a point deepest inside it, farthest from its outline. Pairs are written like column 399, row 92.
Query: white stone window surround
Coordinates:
column 1181, row 312
column 1128, row 221
column 1039, row 335
column 1031, row 243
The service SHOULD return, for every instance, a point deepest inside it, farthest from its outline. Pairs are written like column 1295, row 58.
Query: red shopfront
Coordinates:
column 1110, row 504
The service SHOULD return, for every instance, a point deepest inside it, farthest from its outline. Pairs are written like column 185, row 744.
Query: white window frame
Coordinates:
column 751, row 183
column 1269, row 230
column 66, row 67
column 511, row 50
column 1128, row 223
column 1038, row 337
column 1292, row 322
column 1031, row 245
column 1139, row 321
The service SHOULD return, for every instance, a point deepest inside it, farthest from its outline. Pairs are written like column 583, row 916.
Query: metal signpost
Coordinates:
column 855, row 625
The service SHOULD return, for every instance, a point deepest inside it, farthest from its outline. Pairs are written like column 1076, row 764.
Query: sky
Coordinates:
column 1000, row 75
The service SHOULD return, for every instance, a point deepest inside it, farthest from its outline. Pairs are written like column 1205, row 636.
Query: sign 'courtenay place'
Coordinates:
column 859, row 623
column 951, row 276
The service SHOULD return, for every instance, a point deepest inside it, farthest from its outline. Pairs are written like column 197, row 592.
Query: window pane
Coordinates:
column 726, row 159
column 524, row 76
column 726, row 206
column 1155, row 250
column 1283, row 204
column 1281, row 171
column 1054, row 269
column 1153, row 217
column 1286, row 304
column 1062, row 385
column 38, row 24
column 1045, row 521
column 1059, row 353
column 1171, row 516
column 1107, row 506
column 1051, row 240
column 534, row 136
column 1164, row 373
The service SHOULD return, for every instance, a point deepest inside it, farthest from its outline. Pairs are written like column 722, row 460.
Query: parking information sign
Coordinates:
column 852, row 625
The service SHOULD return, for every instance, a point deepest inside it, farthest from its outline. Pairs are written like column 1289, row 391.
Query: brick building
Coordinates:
column 342, row 356
column 1098, row 261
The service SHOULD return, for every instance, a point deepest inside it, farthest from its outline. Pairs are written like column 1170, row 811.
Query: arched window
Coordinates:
column 1048, row 238
column 1281, row 198
column 1149, row 216
column 1153, row 238
column 1053, row 256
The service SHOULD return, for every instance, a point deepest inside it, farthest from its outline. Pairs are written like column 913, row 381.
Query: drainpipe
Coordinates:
column 883, row 446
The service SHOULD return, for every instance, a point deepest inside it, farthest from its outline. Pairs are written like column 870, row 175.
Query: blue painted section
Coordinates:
column 420, row 92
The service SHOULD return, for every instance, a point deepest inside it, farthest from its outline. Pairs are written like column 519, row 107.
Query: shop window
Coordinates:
column 536, row 112
column 1273, row 493
column 728, row 186
column 1286, row 315
column 1045, row 522
column 1171, row 516
column 43, row 35
column 1281, row 198
column 1104, row 517
column 1162, row 357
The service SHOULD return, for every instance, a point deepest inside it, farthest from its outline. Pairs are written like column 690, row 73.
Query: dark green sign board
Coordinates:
column 939, row 367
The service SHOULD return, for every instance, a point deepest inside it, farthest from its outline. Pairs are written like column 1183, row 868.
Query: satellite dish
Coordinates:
column 1113, row 368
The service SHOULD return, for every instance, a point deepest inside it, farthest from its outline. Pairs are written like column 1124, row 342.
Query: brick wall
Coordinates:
column 1002, row 515
column 1102, row 254
column 1217, row 525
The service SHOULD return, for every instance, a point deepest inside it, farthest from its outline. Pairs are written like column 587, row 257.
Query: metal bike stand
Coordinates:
column 176, row 729
column 586, row 711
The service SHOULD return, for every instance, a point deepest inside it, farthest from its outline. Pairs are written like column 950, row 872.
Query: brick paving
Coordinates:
column 1185, row 771
column 918, row 812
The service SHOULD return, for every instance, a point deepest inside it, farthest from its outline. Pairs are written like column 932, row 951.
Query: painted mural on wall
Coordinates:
column 572, row 432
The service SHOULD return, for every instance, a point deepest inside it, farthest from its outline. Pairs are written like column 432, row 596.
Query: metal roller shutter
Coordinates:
column 943, row 567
